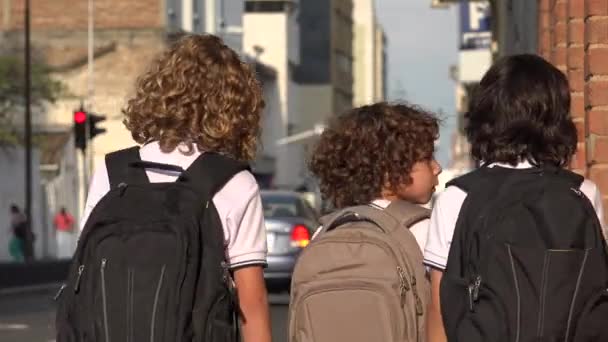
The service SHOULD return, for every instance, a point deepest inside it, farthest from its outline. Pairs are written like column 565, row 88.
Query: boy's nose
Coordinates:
column 437, row 168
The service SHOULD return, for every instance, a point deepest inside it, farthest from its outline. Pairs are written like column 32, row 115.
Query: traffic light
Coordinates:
column 85, row 127
column 80, row 122
column 94, row 119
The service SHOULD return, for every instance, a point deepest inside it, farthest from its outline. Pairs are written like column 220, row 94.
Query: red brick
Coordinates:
column 546, row 21
column 580, row 129
column 597, row 61
column 560, row 31
column 596, row 7
column 560, row 56
column 598, row 122
column 577, row 106
column 576, row 79
column 545, row 42
column 597, row 93
column 72, row 15
column 599, row 175
column 597, row 30
column 576, row 32
column 561, row 10
column 576, row 8
column 600, row 149
column 576, row 57
column 545, row 5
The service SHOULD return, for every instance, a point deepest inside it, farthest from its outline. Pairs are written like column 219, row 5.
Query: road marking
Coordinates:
column 13, row 326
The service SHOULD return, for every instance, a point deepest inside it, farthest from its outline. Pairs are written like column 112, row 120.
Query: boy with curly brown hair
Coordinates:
column 362, row 277
column 199, row 98
column 376, row 154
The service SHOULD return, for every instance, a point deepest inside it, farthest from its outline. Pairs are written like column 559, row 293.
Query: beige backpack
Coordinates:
column 361, row 279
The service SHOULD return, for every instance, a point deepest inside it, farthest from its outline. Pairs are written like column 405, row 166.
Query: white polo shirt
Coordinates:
column 238, row 204
column 447, row 207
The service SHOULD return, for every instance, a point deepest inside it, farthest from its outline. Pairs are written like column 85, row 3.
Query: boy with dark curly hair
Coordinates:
column 376, row 154
column 362, row 277
column 199, row 97
column 518, row 124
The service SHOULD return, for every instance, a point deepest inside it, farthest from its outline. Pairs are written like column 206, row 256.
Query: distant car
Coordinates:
column 290, row 223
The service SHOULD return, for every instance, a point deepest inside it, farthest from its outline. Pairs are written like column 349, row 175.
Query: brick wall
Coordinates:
column 73, row 14
column 573, row 35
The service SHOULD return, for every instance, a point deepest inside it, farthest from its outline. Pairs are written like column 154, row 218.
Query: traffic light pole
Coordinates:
column 87, row 153
column 28, row 118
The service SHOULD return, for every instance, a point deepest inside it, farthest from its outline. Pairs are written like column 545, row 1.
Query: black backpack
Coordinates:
column 527, row 262
column 150, row 263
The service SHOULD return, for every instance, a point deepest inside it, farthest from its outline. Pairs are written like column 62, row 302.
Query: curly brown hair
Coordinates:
column 371, row 148
column 198, row 93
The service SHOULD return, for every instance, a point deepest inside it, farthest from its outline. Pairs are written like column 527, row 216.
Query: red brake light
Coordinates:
column 300, row 237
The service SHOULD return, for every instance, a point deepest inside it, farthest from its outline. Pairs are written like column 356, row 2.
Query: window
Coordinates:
column 265, row 6
column 286, row 206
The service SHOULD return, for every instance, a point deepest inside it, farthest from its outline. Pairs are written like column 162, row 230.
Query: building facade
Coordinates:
column 326, row 56
column 369, row 54
column 572, row 34
column 127, row 36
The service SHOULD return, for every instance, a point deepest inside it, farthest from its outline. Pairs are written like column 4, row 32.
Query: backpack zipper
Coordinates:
column 104, row 300
column 155, row 305
column 77, row 284
column 403, row 285
column 419, row 308
column 517, row 292
column 576, row 289
column 473, row 290
column 59, row 292
column 130, row 281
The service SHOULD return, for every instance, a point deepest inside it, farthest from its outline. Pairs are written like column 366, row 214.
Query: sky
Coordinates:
column 422, row 46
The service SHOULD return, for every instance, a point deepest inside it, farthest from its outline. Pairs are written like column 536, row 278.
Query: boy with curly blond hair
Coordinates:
column 199, row 98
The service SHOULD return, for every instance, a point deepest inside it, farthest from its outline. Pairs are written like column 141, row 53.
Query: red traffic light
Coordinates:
column 80, row 117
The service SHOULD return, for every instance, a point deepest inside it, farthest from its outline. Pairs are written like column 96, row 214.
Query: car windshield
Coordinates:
column 283, row 206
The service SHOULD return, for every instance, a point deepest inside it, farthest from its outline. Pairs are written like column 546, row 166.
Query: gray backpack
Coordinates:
column 361, row 279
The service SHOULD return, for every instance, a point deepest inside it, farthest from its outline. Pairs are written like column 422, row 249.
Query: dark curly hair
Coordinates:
column 367, row 148
column 198, row 93
column 521, row 111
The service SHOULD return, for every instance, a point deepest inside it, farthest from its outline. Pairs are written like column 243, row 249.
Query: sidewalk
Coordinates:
column 27, row 277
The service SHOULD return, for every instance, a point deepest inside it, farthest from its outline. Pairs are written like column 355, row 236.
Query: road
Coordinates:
column 29, row 317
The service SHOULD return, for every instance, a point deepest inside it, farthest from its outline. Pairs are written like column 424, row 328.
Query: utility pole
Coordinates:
column 87, row 152
column 91, row 86
column 28, row 118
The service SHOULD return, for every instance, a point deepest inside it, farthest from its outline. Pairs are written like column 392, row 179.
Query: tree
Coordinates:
column 12, row 87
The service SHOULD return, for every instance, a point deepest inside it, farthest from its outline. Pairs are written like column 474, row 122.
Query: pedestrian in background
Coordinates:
column 516, row 246
column 23, row 235
column 16, row 232
column 64, row 233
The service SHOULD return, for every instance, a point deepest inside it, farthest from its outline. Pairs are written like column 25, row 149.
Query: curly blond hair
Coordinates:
column 198, row 93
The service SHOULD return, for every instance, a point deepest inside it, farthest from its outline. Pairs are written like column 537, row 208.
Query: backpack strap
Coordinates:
column 480, row 178
column 210, row 172
column 121, row 170
column 361, row 213
column 397, row 214
column 408, row 214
